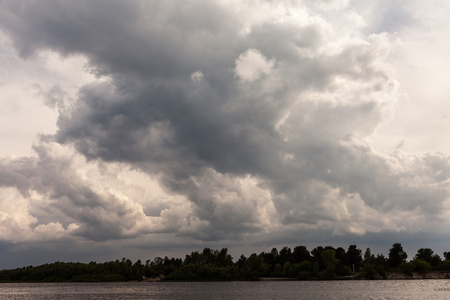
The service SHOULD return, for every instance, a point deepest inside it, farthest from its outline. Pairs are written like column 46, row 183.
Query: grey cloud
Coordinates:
column 53, row 98
column 68, row 199
column 137, row 38
column 17, row 173
column 292, row 37
column 299, row 130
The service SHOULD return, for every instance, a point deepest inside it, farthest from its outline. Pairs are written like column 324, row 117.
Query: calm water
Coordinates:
column 392, row 289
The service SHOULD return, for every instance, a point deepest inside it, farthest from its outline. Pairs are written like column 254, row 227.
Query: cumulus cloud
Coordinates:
column 92, row 200
column 232, row 128
column 251, row 65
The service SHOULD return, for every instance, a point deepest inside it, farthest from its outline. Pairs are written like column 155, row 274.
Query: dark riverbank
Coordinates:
column 415, row 275
column 389, row 276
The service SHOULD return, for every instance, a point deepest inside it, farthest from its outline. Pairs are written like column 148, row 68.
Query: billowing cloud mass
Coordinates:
column 234, row 123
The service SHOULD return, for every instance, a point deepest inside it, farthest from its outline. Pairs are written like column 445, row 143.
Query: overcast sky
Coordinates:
column 144, row 128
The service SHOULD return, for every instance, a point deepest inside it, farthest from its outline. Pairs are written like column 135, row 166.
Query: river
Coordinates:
column 382, row 289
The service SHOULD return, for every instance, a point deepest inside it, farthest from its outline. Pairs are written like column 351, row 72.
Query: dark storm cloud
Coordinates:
column 187, row 94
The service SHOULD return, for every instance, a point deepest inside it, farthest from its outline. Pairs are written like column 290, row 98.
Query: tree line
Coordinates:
column 298, row 263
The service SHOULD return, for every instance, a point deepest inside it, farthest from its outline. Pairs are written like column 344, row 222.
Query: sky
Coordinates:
column 149, row 128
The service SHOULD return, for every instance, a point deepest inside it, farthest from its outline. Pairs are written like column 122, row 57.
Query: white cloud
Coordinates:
column 197, row 76
column 17, row 223
column 15, row 219
column 23, row 114
column 419, row 59
column 251, row 65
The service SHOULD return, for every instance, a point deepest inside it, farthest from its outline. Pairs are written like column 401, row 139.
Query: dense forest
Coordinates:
column 320, row 263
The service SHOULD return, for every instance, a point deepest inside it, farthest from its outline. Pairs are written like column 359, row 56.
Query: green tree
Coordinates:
column 305, row 265
column 369, row 271
column 195, row 258
column 407, row 268
column 444, row 265
column 241, row 261
column 396, row 255
column 304, row 269
column 381, row 264
column 300, row 254
column 138, row 270
column 340, row 254
column 254, row 267
column 369, row 267
column 421, row 266
column 270, row 258
column 426, row 254
column 223, row 259
column 369, row 258
column 289, row 270
column 353, row 257
column 209, row 256
column 381, row 260
column 284, row 256
column 447, row 255
column 330, row 261
column 316, row 254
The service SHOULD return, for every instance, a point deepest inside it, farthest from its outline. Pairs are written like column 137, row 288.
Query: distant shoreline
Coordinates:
column 415, row 275
column 389, row 276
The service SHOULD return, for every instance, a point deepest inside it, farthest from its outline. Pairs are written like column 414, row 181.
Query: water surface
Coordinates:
column 386, row 289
